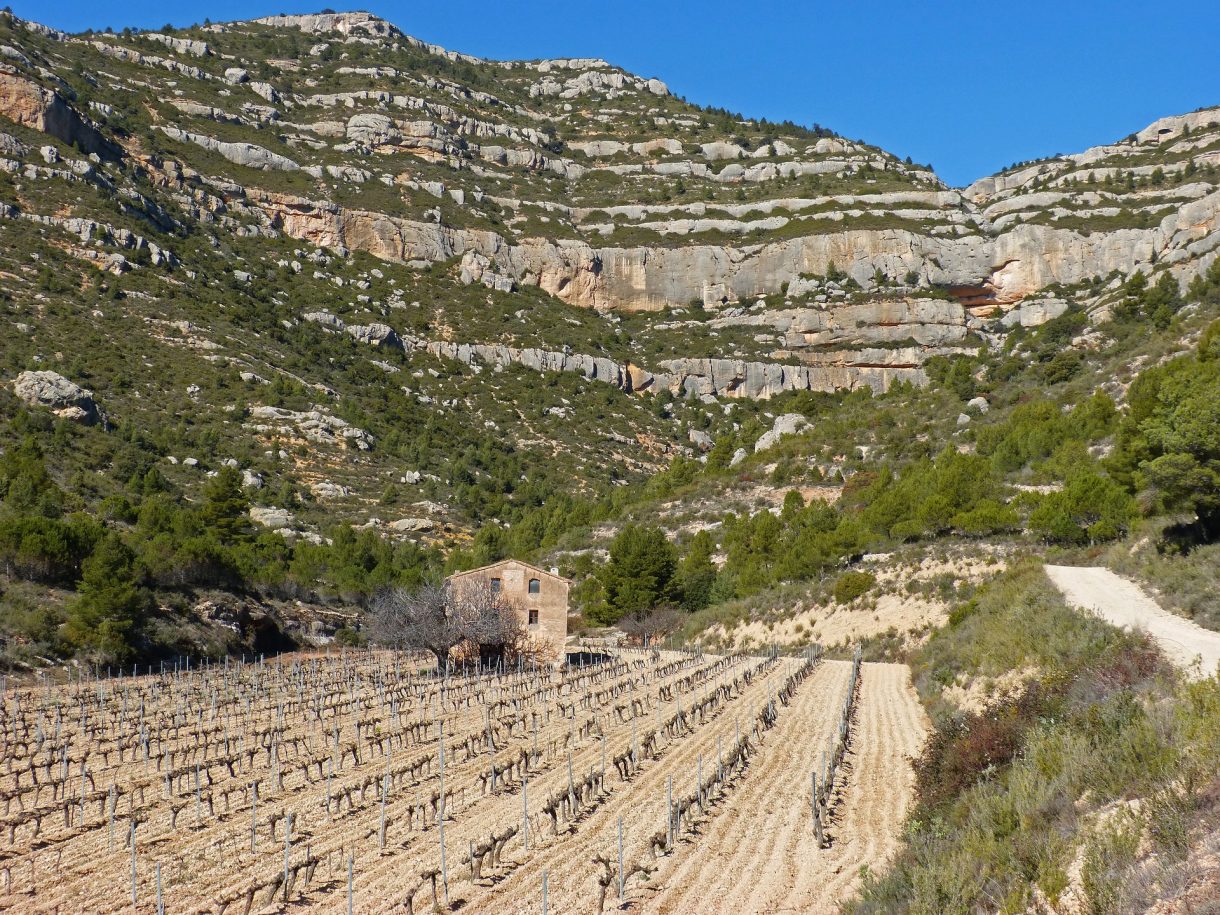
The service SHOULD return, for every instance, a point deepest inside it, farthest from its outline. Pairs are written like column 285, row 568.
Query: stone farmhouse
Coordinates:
column 539, row 597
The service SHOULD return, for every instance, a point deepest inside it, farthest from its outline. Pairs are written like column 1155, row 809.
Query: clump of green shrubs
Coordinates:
column 851, row 585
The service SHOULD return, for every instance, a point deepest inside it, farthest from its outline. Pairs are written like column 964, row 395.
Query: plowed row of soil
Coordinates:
column 759, row 853
column 751, row 850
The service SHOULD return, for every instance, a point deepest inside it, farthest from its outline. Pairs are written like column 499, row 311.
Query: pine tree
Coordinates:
column 640, row 571
column 697, row 573
column 225, row 506
column 109, row 610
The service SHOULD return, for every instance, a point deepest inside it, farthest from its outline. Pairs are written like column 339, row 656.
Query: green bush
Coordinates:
column 1091, row 508
column 46, row 549
column 347, row 637
column 109, row 611
column 928, row 496
column 696, row 574
column 638, row 575
column 1169, row 442
column 851, row 585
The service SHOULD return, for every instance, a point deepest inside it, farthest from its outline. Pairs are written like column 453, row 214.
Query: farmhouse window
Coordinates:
column 495, row 584
column 535, row 586
column 533, row 617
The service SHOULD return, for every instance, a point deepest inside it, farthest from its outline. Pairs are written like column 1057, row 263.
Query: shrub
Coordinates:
column 1091, row 508
column 46, row 549
column 851, row 585
column 347, row 637
column 639, row 573
column 1002, row 792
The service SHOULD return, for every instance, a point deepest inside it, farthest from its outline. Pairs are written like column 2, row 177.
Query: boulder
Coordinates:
column 785, row 424
column 325, row 318
column 375, row 335
column 701, row 440
column 274, row 518
column 11, row 146
column 55, row 392
column 324, row 489
column 411, row 525
column 978, row 403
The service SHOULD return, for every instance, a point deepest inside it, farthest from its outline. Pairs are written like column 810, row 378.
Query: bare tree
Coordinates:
column 440, row 617
column 489, row 621
column 648, row 627
column 418, row 620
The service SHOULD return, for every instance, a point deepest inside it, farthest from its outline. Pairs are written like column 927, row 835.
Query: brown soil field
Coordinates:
column 704, row 760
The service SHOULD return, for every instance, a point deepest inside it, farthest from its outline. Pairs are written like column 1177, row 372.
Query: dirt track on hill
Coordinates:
column 1125, row 604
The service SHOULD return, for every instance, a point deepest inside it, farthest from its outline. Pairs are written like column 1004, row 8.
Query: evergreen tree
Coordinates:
column 225, row 506
column 697, row 573
column 640, row 571
column 109, row 610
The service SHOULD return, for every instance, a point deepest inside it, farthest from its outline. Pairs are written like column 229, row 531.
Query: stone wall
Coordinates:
column 548, row 607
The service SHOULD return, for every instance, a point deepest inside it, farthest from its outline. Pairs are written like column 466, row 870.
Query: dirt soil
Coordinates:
column 325, row 736
column 758, row 854
column 840, row 624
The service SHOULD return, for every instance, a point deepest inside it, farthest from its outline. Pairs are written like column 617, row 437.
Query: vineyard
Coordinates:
column 361, row 782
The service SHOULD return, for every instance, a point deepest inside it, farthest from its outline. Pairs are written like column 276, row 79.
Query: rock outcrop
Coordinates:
column 784, row 425
column 800, row 260
column 25, row 102
column 64, row 398
column 316, row 425
column 703, row 378
column 246, row 154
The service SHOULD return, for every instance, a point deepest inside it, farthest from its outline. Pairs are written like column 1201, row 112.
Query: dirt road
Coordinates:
column 1124, row 604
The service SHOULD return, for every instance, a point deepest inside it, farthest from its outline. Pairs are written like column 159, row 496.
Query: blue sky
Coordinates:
column 967, row 87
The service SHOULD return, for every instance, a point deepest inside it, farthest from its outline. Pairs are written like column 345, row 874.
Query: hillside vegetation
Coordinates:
column 364, row 312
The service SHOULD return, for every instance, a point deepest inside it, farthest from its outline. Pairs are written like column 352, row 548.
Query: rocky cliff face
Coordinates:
column 814, row 255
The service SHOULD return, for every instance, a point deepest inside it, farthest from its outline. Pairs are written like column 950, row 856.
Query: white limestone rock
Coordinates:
column 381, row 335
column 273, row 518
column 785, row 424
column 411, row 525
column 64, row 398
column 324, row 489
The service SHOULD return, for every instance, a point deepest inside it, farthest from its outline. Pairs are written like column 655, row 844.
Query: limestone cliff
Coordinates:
column 814, row 262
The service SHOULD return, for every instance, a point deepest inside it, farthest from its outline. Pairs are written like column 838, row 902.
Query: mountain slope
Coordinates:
column 417, row 290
